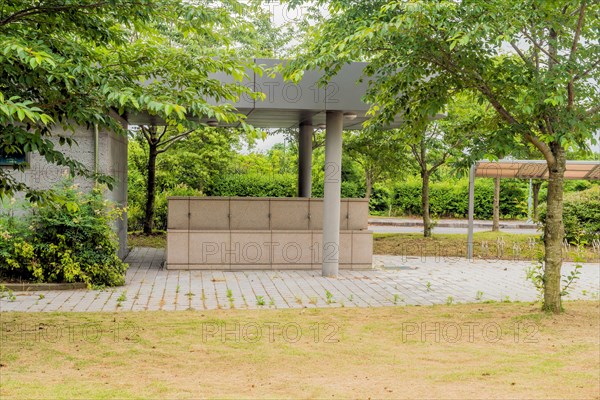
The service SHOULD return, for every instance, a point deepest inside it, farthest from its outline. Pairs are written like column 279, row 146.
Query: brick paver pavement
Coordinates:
column 395, row 280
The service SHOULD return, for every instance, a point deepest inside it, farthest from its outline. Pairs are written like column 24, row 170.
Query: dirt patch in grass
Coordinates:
column 157, row 240
column 486, row 245
column 504, row 350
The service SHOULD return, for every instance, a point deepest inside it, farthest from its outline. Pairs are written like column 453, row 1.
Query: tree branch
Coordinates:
column 413, row 149
column 146, row 135
column 578, row 30
column 542, row 147
column 538, row 46
column 592, row 111
column 587, row 71
column 520, row 53
column 51, row 9
column 438, row 164
column 570, row 85
column 504, row 113
column 172, row 140
column 162, row 134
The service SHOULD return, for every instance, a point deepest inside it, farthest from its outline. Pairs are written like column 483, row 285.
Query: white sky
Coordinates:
column 264, row 145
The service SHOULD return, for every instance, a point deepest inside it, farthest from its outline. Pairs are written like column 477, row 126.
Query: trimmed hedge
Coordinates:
column 450, row 199
column 447, row 199
column 281, row 185
column 254, row 185
column 581, row 215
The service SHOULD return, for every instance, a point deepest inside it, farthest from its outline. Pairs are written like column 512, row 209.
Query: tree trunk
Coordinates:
column 150, row 190
column 554, row 231
column 536, row 199
column 425, row 204
column 369, row 182
column 496, row 213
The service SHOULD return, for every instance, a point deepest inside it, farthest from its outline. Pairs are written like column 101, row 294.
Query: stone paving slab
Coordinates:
column 395, row 280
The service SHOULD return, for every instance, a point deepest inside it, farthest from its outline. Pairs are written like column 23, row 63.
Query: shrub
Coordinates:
column 447, row 199
column 581, row 215
column 136, row 206
column 450, row 199
column 380, row 202
column 68, row 240
column 254, row 185
column 161, row 204
column 278, row 185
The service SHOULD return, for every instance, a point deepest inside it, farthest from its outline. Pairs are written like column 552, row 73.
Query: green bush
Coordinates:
column 160, row 204
column 447, row 199
column 254, row 185
column 136, row 206
column 349, row 189
column 69, row 240
column 277, row 185
column 450, row 199
column 581, row 215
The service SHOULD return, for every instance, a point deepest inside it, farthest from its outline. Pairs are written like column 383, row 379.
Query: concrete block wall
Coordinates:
column 115, row 165
column 112, row 160
column 262, row 233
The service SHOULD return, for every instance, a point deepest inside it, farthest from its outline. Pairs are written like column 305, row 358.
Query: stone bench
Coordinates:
column 228, row 233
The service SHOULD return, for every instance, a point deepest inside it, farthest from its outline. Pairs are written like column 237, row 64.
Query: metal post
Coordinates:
column 305, row 160
column 471, row 212
column 332, row 190
column 530, row 202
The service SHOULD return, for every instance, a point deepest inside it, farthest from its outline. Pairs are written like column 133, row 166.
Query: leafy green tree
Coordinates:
column 430, row 148
column 159, row 140
column 200, row 158
column 198, row 154
column 379, row 153
column 229, row 41
column 426, row 144
column 66, row 64
column 434, row 144
column 535, row 62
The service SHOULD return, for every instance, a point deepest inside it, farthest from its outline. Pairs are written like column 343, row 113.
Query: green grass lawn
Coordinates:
column 516, row 246
column 158, row 240
column 500, row 350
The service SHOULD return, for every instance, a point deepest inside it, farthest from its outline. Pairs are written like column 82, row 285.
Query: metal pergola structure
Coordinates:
column 521, row 169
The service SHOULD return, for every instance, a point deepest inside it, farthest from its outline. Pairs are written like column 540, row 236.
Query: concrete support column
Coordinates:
column 305, row 160
column 332, row 192
column 471, row 212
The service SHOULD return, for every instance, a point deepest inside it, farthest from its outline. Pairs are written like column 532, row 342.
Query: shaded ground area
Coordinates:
column 396, row 280
column 491, row 351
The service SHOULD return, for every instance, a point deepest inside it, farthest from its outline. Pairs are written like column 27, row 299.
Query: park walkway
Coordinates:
column 395, row 280
column 415, row 225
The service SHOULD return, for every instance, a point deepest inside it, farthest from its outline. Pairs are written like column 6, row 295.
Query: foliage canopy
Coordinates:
column 66, row 63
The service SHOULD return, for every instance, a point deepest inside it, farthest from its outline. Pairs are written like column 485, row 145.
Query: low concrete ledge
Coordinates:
column 33, row 287
column 263, row 249
column 246, row 233
column 268, row 267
